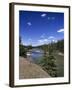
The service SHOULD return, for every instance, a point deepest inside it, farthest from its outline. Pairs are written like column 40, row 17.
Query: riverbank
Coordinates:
column 29, row 70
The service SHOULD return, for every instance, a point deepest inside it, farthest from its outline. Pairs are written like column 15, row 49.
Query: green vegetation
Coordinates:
column 60, row 65
column 51, row 62
column 29, row 47
column 60, row 46
column 48, row 62
column 22, row 51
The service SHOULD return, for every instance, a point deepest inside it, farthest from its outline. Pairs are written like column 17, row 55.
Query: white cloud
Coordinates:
column 29, row 23
column 60, row 30
column 43, row 15
column 43, row 41
column 40, row 41
column 46, row 41
column 51, row 37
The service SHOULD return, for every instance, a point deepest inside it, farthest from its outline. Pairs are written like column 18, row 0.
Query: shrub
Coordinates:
column 48, row 64
column 22, row 51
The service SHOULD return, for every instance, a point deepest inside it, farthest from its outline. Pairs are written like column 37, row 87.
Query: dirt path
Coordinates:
column 30, row 70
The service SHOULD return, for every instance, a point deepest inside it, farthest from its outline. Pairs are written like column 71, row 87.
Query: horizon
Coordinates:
column 41, row 44
column 39, row 28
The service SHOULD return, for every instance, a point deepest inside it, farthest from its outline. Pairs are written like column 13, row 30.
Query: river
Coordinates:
column 35, row 54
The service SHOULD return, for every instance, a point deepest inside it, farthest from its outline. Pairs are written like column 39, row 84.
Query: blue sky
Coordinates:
column 37, row 28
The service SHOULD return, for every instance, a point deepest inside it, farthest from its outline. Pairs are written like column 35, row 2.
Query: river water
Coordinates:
column 35, row 54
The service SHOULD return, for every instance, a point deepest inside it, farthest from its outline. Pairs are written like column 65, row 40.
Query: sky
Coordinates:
column 38, row 28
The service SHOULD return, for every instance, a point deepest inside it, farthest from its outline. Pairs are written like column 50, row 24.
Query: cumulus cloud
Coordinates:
column 40, row 41
column 51, row 37
column 29, row 23
column 46, row 41
column 60, row 30
column 43, row 41
column 43, row 15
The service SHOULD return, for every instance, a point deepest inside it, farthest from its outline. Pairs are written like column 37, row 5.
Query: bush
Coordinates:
column 48, row 64
column 22, row 51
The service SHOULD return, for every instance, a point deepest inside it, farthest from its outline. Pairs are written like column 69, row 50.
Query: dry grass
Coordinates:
column 28, row 70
